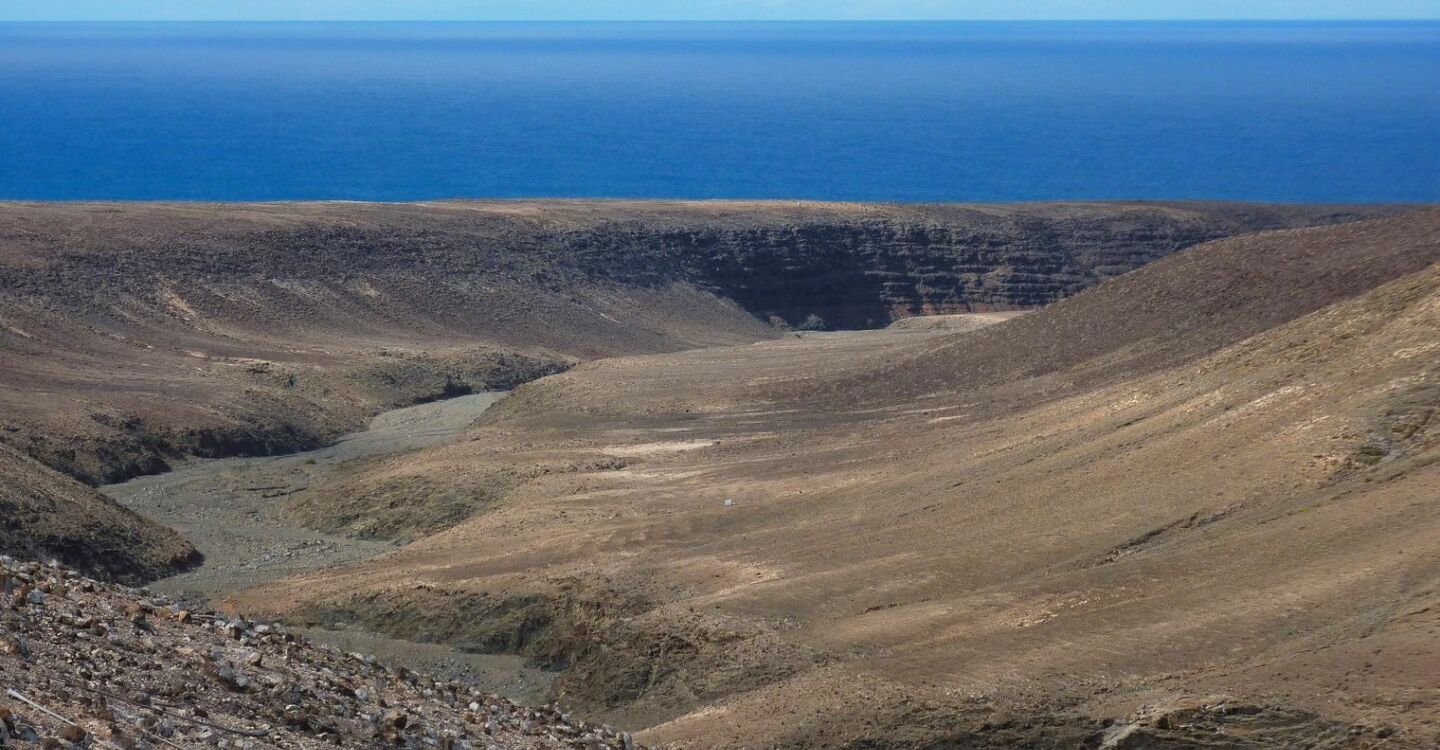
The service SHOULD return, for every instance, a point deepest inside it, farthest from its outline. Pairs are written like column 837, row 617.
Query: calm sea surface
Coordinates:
column 878, row 111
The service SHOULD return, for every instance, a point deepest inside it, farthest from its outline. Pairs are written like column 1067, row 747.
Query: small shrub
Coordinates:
column 812, row 322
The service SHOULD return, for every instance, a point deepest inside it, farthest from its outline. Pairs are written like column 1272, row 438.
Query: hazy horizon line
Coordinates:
column 1423, row 19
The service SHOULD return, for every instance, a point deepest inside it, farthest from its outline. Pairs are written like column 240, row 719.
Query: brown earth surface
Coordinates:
column 1195, row 506
column 87, row 664
column 954, row 323
column 45, row 514
column 133, row 336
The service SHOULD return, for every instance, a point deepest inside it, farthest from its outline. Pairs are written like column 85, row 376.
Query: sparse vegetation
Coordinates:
column 1096, row 520
column 1117, row 519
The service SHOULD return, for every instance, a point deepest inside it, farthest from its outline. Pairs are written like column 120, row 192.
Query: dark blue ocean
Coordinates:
column 877, row 111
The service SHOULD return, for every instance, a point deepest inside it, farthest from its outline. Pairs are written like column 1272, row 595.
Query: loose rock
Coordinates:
column 134, row 675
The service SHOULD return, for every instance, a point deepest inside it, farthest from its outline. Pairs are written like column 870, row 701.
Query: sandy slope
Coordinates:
column 133, row 335
column 1193, row 505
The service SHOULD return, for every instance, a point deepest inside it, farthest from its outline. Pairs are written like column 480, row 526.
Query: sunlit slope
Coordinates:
column 1204, row 519
column 135, row 335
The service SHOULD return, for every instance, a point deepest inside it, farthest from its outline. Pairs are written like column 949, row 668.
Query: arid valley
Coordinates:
column 720, row 474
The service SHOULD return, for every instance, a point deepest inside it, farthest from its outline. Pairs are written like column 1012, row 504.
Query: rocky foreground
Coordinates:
column 86, row 664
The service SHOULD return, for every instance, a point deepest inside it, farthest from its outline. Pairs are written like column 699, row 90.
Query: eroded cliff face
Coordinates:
column 840, row 271
column 132, row 334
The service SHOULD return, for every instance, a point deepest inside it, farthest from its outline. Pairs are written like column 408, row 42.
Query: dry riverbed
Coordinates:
column 230, row 510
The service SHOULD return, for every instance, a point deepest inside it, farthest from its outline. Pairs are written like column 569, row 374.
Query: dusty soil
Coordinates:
column 44, row 514
column 512, row 676
column 955, row 323
column 134, row 336
column 231, row 510
column 87, row 664
column 1191, row 507
column 1188, row 507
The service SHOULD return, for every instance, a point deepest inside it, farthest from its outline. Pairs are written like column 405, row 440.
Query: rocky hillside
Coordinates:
column 135, row 335
column 132, row 333
column 85, row 664
column 44, row 514
column 856, row 266
column 1191, row 507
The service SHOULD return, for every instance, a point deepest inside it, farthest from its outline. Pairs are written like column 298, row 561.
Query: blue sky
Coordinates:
column 118, row 10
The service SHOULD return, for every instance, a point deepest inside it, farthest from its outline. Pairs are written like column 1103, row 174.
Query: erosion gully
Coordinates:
column 230, row 510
